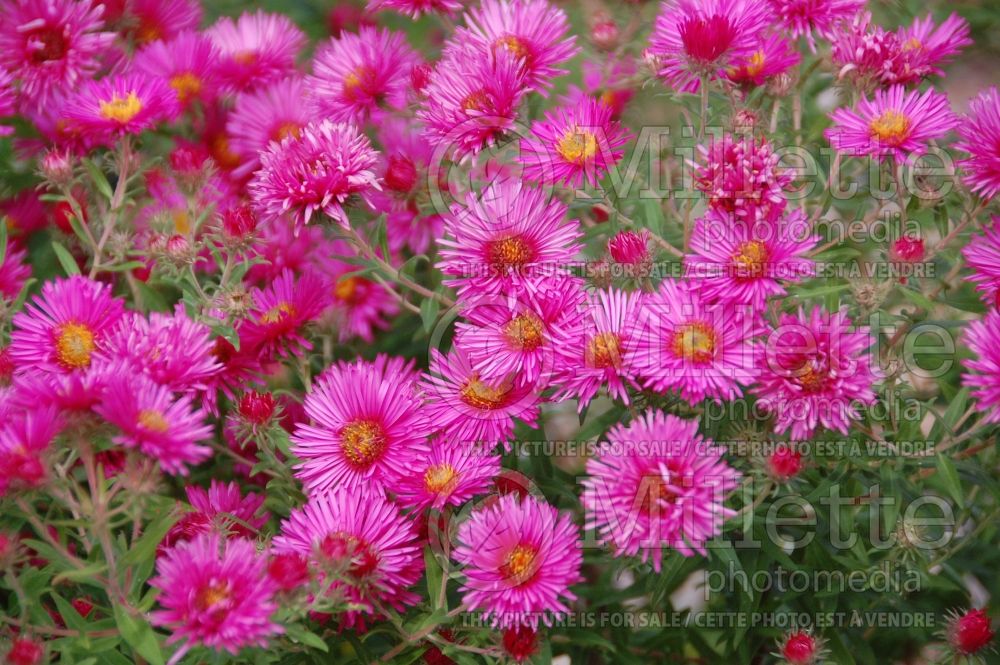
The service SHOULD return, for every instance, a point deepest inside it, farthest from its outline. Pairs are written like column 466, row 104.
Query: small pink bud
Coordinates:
column 784, row 463
column 970, row 632
column 800, row 648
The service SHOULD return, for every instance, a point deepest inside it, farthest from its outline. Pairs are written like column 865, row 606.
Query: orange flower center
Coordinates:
column 509, row 252
column 278, row 313
column 525, row 332
column 121, row 109
column 187, row 85
column 603, row 351
column 348, row 290
column 212, row 596
column 577, row 145
column 891, row 128
column 476, row 101
column 363, row 442
column 811, row 378
column 440, row 478
column 515, row 45
column 695, row 342
column 751, row 259
column 286, row 129
column 480, row 395
column 74, row 344
column 153, row 421
column 519, row 564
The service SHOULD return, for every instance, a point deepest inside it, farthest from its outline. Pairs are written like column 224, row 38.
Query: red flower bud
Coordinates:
column 908, row 249
column 288, row 571
column 24, row 651
column 520, row 642
column 784, row 463
column 970, row 632
column 800, row 648
column 401, row 174
column 257, row 408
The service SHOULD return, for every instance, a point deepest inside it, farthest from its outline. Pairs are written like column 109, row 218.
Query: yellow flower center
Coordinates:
column 347, row 290
column 891, row 128
column 363, row 442
column 476, row 101
column 509, row 252
column 811, row 378
column 212, row 596
column 74, row 344
column 756, row 64
column 182, row 222
column 440, row 478
column 695, row 342
column 751, row 259
column 483, row 396
column 577, row 145
column 187, row 85
column 603, row 351
column 525, row 332
column 514, row 45
column 278, row 313
column 519, row 564
column 286, row 129
column 354, row 82
column 121, row 109
column 153, row 421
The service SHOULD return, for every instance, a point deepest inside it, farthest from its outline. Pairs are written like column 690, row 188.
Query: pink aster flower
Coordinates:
column 741, row 174
column 505, row 238
column 695, row 348
column 357, row 74
column 744, row 263
column 471, row 100
column 221, row 508
column 24, row 213
column 368, row 428
column 158, row 20
column 922, row 47
column 13, row 270
column 608, row 84
column 694, row 39
column 979, row 136
column 414, row 8
column 186, row 63
column 215, row 592
column 358, row 306
column 467, row 409
column 657, row 484
column 452, row 474
column 863, row 51
column 50, row 46
column 316, row 171
column 268, row 113
column 59, row 330
column 806, row 17
column 150, row 419
column 533, row 31
column 574, row 144
column 601, row 351
column 813, row 371
column 983, row 339
column 519, row 558
column 25, row 436
column 773, row 55
column 124, row 104
column 893, row 123
column 279, row 314
column 256, row 49
column 982, row 255
column 7, row 98
column 361, row 541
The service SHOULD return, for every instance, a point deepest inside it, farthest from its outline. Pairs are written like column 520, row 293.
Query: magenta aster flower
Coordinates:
column 694, row 39
column 414, row 8
column 50, row 46
column 922, row 47
column 813, row 370
column 315, row 171
column 744, row 263
column 742, row 175
column 533, row 31
column 361, row 541
column 608, row 84
column 368, row 428
column 471, row 100
column 452, row 474
column 357, row 74
column 359, row 306
column 117, row 105
column 574, row 144
column 983, row 338
column 186, row 63
column 519, row 558
column 268, row 113
column 893, row 123
column 773, row 55
column 215, row 592
column 982, row 255
column 279, row 314
column 806, row 17
column 863, row 51
column 601, row 351
column 150, row 419
column 59, row 330
column 657, row 484
column 256, row 49
column 25, row 435
column 8, row 96
column 505, row 238
column 467, row 409
column 157, row 20
column 222, row 507
column 979, row 136
column 695, row 348
column 13, row 270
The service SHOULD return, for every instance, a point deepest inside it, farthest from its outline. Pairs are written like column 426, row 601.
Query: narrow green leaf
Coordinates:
column 428, row 313
column 949, row 476
column 3, row 240
column 299, row 634
column 99, row 179
column 145, row 547
column 66, row 259
column 139, row 635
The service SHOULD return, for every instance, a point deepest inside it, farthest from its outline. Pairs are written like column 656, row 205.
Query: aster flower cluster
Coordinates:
column 351, row 340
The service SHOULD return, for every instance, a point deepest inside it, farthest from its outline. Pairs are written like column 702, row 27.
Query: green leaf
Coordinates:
column 428, row 313
column 3, row 240
column 949, row 476
column 99, row 179
column 434, row 577
column 66, row 259
column 299, row 634
column 145, row 547
column 69, row 615
column 139, row 635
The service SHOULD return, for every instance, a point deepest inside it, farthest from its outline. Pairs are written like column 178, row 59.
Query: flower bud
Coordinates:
column 970, row 632
column 400, row 174
column 604, row 32
column 800, row 648
column 24, row 651
column 784, row 464
column 520, row 642
column 288, row 571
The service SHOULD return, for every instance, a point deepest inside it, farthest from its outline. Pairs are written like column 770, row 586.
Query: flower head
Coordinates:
column 256, row 49
column 970, row 632
column 280, row 313
column 415, row 8
column 118, row 105
column 979, row 136
column 813, row 17
column 774, row 55
column 185, row 63
column 982, row 254
column 923, row 46
column 156, row 20
column 983, row 338
column 742, row 175
column 452, row 474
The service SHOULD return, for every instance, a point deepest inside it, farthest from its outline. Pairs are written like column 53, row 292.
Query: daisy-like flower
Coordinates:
column 357, row 74
column 279, row 314
column 983, row 338
column 13, row 270
column 774, row 55
column 982, row 255
column 124, row 104
column 256, row 49
column 601, row 351
column 741, row 174
column 813, row 369
column 519, row 558
column 657, row 484
column 467, row 409
column 744, row 263
column 315, row 171
column 51, row 45
column 574, row 144
column 368, row 428
column 25, row 435
column 415, row 8
column 695, row 348
column 361, row 541
column 694, row 39
column 158, row 20
column 452, row 474
column 222, row 508
column 922, row 47
column 894, row 122
column 533, row 31
column 150, row 419
column 60, row 329
column 24, row 213
column 863, row 51
column 979, row 136
column 186, row 63
column 515, row 338
column 505, row 239
column 471, row 100
column 813, row 17
column 358, row 306
column 268, row 113
column 215, row 592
